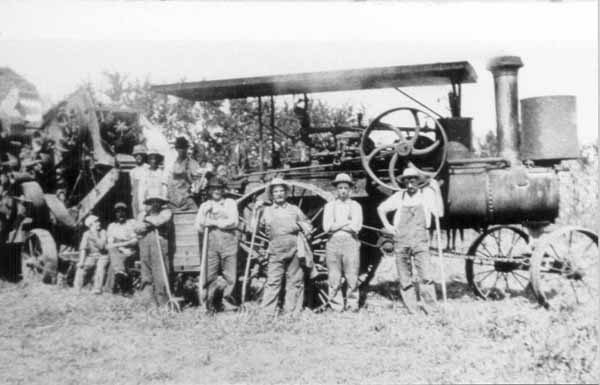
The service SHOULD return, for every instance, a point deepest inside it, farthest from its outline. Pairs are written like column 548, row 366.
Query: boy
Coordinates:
column 342, row 219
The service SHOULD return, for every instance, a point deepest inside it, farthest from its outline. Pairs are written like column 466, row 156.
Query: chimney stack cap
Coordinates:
column 505, row 62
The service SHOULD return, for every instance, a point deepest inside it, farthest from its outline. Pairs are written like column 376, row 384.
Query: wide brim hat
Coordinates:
column 155, row 152
column 343, row 178
column 182, row 142
column 411, row 172
column 139, row 149
column 278, row 182
column 155, row 195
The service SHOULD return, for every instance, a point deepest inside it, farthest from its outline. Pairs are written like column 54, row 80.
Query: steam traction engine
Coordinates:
column 510, row 199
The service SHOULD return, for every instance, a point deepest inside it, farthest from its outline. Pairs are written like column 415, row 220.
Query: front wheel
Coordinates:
column 498, row 263
column 39, row 257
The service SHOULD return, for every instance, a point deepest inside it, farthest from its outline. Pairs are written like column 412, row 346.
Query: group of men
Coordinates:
column 284, row 224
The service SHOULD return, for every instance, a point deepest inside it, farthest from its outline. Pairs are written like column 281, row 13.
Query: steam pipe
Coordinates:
column 504, row 70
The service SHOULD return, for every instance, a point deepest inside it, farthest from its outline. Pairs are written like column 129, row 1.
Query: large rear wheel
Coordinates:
column 311, row 200
column 565, row 267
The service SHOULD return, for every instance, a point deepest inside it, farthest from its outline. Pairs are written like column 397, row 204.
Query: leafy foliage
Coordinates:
column 201, row 122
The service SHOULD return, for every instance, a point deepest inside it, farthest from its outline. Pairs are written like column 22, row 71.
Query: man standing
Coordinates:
column 413, row 208
column 136, row 175
column 155, row 230
column 181, row 177
column 152, row 180
column 219, row 216
column 283, row 221
column 342, row 219
column 122, row 242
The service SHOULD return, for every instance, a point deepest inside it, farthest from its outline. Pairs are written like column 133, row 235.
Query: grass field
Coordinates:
column 49, row 335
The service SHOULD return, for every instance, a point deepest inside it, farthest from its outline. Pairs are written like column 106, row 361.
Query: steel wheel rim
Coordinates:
column 499, row 263
column 298, row 195
column 567, row 268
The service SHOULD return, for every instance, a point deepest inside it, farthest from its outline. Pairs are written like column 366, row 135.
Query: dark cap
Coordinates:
column 181, row 142
column 216, row 182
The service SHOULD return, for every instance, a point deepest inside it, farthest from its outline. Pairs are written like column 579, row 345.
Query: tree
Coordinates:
column 488, row 147
column 237, row 117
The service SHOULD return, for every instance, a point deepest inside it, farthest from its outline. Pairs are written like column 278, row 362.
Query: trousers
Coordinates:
column 118, row 259
column 100, row 262
column 221, row 261
column 151, row 266
column 420, row 255
column 284, row 264
column 343, row 262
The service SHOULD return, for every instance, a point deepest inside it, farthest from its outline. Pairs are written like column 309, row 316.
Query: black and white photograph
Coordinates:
column 299, row 192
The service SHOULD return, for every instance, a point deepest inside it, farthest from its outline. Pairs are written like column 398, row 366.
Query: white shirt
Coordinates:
column 120, row 232
column 429, row 196
column 338, row 212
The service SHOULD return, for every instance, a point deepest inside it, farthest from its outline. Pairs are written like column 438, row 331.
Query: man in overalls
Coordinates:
column 181, row 178
column 343, row 218
column 219, row 216
column 154, row 230
column 282, row 222
column 413, row 210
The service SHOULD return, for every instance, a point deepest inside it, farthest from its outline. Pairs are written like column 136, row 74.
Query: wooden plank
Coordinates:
column 87, row 204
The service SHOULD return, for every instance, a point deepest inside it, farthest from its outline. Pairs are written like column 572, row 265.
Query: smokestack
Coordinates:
column 504, row 69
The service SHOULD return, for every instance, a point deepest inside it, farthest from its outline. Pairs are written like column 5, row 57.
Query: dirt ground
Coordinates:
column 49, row 335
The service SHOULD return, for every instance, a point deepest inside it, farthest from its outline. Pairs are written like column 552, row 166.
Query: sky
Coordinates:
column 58, row 45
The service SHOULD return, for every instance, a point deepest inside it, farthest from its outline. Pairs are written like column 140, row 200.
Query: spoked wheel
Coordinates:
column 399, row 138
column 564, row 267
column 39, row 257
column 499, row 264
column 311, row 200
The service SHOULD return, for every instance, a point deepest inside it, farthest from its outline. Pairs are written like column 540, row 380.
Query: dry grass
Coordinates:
column 52, row 335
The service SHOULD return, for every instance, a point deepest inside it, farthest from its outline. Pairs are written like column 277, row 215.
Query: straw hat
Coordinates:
column 342, row 178
column 412, row 172
column 155, row 194
column 155, row 152
column 278, row 182
column 139, row 149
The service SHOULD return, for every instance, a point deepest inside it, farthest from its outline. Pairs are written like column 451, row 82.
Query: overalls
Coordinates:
column 221, row 259
column 95, row 256
column 151, row 262
column 179, row 185
column 411, row 239
column 281, row 226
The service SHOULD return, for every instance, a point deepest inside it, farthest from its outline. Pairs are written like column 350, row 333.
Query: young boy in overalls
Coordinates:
column 413, row 210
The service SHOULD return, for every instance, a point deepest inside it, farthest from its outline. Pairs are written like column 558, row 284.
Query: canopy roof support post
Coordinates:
column 261, row 146
column 273, row 132
column 454, row 99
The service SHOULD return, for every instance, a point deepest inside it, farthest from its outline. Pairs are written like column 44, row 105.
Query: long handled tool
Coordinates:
column 253, row 222
column 201, row 291
column 441, row 257
column 173, row 302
